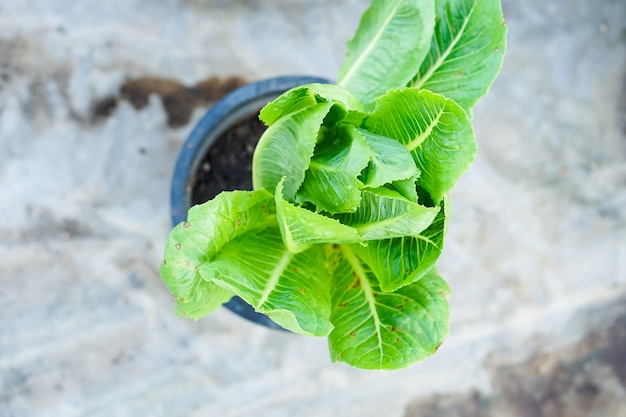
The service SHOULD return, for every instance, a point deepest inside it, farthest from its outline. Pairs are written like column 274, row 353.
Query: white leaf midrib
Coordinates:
column 419, row 139
column 276, row 274
column 442, row 57
column 358, row 63
column 369, row 296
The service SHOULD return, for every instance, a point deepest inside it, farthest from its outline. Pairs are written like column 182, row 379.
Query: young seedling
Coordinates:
column 349, row 210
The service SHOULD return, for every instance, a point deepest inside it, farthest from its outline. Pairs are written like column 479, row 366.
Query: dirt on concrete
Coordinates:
column 178, row 100
column 585, row 379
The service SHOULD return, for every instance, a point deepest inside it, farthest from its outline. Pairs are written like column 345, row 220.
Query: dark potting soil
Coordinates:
column 228, row 164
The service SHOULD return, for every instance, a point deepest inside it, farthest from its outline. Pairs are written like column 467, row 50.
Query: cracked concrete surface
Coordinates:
column 535, row 256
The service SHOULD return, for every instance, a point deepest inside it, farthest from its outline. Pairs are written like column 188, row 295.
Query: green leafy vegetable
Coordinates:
column 435, row 130
column 391, row 41
column 466, row 51
column 286, row 148
column 301, row 98
column 389, row 162
column 301, row 228
column 331, row 182
column 402, row 260
column 207, row 229
column 288, row 287
column 385, row 214
column 385, row 330
column 341, row 236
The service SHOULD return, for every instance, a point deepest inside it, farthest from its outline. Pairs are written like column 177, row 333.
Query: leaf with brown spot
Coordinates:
column 375, row 332
column 212, row 229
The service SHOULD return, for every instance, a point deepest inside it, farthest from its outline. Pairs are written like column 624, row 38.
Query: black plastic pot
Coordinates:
column 236, row 106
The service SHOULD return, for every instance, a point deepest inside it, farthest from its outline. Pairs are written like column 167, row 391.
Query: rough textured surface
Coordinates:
column 536, row 251
column 583, row 379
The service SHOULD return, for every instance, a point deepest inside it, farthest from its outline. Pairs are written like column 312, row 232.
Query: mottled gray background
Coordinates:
column 535, row 256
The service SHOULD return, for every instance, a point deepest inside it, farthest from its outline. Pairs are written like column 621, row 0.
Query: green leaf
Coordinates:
column 285, row 149
column 436, row 131
column 466, row 52
column 305, row 96
column 292, row 289
column 301, row 228
column 384, row 330
column 391, row 41
column 191, row 244
column 336, row 94
column 407, row 188
column 390, row 161
column 291, row 101
column 331, row 183
column 205, row 298
column 403, row 260
column 386, row 214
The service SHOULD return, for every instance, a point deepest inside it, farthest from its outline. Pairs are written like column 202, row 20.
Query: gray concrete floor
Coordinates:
column 536, row 252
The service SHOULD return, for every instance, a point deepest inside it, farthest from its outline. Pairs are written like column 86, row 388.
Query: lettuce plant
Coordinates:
column 349, row 210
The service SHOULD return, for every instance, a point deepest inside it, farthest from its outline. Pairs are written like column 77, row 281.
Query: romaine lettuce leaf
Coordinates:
column 291, row 101
column 386, row 214
column 436, row 131
column 466, row 52
column 331, row 182
column 292, row 289
column 384, row 330
column 286, row 148
column 391, row 41
column 407, row 188
column 301, row 228
column 208, row 228
column 389, row 161
column 403, row 260
column 305, row 96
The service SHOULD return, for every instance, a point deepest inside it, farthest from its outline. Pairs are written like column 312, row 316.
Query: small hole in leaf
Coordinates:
column 177, row 246
column 186, row 225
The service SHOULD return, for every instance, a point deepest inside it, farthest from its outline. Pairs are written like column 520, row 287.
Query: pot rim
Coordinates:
column 240, row 103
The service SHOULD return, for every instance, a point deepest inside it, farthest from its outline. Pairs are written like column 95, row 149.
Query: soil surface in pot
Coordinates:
column 228, row 164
